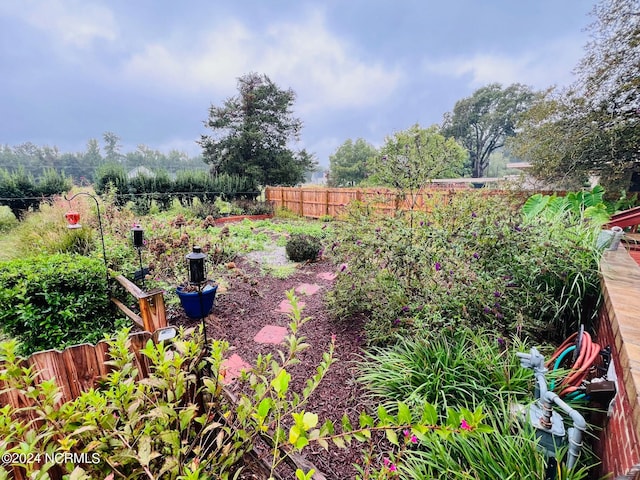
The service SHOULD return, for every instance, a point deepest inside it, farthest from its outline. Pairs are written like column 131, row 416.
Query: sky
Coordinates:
column 148, row 70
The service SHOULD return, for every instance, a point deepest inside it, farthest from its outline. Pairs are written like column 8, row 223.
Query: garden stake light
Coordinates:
column 137, row 235
column 73, row 219
column 198, row 278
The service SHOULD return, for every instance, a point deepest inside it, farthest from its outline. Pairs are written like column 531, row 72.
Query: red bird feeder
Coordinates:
column 73, row 218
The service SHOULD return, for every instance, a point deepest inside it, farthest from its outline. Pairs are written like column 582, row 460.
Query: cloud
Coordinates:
column 220, row 59
column 77, row 24
column 548, row 65
column 324, row 70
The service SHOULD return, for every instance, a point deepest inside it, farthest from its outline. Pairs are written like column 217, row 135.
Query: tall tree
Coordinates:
column 593, row 128
column 92, row 155
column 483, row 121
column 409, row 159
column 252, row 134
column 112, row 147
column 348, row 165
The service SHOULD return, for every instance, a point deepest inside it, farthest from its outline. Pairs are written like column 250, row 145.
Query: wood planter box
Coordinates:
column 239, row 218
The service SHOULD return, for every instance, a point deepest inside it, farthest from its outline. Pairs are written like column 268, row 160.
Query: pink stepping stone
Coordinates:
column 285, row 306
column 327, row 276
column 307, row 289
column 271, row 334
column 233, row 367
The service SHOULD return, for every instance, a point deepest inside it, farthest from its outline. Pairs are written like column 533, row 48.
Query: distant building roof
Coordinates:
column 519, row 165
column 141, row 170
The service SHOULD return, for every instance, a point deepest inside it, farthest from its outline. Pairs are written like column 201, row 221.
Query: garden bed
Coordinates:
column 252, row 301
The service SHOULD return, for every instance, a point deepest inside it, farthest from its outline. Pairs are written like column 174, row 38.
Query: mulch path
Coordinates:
column 253, row 301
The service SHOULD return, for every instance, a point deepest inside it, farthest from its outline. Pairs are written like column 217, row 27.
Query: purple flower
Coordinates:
column 358, row 242
column 499, row 316
column 396, row 322
column 343, row 267
column 473, row 215
column 474, row 234
column 502, row 345
column 437, row 266
column 497, row 294
column 497, row 305
column 476, row 256
column 405, row 309
column 518, row 229
column 486, row 310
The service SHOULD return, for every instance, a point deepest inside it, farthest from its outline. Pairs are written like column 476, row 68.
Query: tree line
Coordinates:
column 82, row 166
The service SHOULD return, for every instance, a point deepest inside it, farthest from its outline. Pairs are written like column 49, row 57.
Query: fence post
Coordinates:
column 326, row 202
column 301, row 204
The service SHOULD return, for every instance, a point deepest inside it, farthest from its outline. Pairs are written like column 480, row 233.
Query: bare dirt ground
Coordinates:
column 253, row 300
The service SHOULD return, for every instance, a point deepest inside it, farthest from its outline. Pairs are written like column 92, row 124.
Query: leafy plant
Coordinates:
column 7, row 219
column 54, row 301
column 303, row 248
column 472, row 261
column 580, row 204
column 178, row 423
column 510, row 450
column 447, row 368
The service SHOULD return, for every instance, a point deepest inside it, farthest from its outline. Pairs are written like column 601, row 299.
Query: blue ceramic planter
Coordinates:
column 191, row 301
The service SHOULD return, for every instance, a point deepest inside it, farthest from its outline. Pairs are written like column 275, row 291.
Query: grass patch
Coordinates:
column 278, row 271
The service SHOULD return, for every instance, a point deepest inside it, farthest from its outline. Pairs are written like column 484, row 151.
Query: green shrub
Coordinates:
column 302, row 248
column 54, row 301
column 112, row 177
column 252, row 207
column 7, row 219
column 203, row 210
column 473, row 261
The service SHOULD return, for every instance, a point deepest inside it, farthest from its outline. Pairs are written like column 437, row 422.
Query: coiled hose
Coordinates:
column 585, row 358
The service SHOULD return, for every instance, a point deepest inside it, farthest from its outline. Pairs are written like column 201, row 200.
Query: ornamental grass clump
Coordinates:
column 447, row 368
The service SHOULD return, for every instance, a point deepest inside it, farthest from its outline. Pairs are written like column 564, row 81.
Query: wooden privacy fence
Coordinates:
column 77, row 369
column 316, row 202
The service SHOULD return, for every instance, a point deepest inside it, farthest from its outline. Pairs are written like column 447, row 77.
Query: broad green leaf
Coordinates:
column 429, row 414
column 264, row 407
column 346, row 424
column 310, row 420
column 392, row 436
column 365, row 420
column 281, row 383
column 404, row 414
column 294, row 434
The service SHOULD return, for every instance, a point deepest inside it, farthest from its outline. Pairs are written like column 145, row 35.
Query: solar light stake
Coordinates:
column 198, row 278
